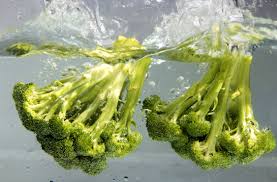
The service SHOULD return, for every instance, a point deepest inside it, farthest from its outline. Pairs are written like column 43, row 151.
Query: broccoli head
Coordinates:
column 82, row 119
column 212, row 123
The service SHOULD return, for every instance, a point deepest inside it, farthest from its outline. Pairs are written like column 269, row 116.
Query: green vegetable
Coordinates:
column 212, row 123
column 122, row 50
column 83, row 119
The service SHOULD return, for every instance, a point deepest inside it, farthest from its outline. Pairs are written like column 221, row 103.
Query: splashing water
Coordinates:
column 86, row 23
column 64, row 21
column 192, row 17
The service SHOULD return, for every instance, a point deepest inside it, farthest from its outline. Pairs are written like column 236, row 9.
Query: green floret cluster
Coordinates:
column 212, row 123
column 84, row 119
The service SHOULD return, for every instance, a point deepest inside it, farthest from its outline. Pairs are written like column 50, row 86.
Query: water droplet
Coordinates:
column 19, row 15
column 172, row 90
column 87, row 65
column 52, row 11
column 152, row 83
column 274, row 47
column 147, row 2
column 30, row 150
column 177, row 92
column 202, row 67
column 12, row 125
column 126, row 178
column 158, row 61
column 180, row 79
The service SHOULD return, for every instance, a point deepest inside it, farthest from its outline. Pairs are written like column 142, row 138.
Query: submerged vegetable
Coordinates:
column 213, row 122
column 81, row 120
column 122, row 50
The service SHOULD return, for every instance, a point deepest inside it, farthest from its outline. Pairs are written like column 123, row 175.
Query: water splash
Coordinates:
column 192, row 17
column 87, row 23
column 82, row 24
column 68, row 22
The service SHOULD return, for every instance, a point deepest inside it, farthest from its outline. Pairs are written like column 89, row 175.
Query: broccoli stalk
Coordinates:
column 83, row 119
column 207, row 153
column 122, row 50
column 212, row 123
column 242, row 136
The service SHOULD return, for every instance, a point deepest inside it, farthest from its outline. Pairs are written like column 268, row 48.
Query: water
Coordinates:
column 191, row 18
column 20, row 154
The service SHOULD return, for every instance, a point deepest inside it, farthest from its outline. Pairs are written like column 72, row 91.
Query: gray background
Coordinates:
column 21, row 158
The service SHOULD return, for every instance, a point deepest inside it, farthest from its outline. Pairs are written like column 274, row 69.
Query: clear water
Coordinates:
column 100, row 22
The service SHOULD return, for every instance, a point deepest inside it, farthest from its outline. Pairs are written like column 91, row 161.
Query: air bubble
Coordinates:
column 158, row 61
column 152, row 83
column 180, row 79
column 126, row 178
column 19, row 15
column 87, row 65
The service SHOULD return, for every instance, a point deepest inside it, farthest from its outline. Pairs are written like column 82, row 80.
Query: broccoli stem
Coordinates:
column 66, row 95
column 196, row 88
column 134, row 90
column 62, row 103
column 92, row 91
column 85, row 115
column 245, row 106
column 248, row 100
column 96, row 94
column 211, row 95
column 110, row 107
column 219, row 117
column 241, row 99
column 182, row 103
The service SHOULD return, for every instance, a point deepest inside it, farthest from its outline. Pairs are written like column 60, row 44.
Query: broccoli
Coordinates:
column 122, row 50
column 212, row 123
column 85, row 118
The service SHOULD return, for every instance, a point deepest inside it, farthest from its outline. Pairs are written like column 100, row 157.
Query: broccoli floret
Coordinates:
column 212, row 123
column 83, row 119
column 20, row 49
column 182, row 146
column 90, row 165
column 162, row 128
column 164, row 121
